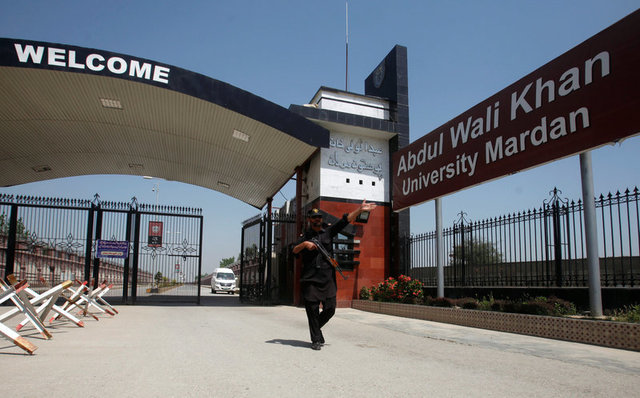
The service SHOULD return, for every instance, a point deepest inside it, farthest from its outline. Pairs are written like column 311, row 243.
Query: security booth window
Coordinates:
column 343, row 251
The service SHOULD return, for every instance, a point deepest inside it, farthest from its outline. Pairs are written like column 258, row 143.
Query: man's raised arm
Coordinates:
column 363, row 207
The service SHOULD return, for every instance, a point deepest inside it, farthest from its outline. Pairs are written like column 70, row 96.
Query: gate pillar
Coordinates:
column 11, row 241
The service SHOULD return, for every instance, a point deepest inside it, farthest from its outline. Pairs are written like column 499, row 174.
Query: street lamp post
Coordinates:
column 156, row 188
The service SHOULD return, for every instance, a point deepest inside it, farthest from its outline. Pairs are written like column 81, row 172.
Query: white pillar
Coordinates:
column 591, row 232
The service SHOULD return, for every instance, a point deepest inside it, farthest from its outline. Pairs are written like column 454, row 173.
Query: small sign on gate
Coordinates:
column 155, row 234
column 112, row 249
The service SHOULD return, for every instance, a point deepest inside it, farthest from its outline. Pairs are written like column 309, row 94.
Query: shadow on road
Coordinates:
column 293, row 343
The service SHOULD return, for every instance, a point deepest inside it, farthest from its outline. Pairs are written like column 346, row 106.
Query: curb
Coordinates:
column 603, row 333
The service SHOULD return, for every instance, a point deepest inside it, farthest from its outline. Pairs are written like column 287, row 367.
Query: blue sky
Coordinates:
column 460, row 53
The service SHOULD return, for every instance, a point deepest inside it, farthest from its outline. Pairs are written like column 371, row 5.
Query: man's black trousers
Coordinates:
column 318, row 319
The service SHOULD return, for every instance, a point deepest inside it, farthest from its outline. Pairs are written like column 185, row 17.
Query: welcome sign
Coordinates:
column 77, row 59
column 583, row 99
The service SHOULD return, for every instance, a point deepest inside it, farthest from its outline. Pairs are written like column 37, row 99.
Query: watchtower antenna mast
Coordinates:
column 346, row 77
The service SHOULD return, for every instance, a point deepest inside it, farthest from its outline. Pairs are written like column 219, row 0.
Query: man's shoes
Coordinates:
column 321, row 341
column 316, row 346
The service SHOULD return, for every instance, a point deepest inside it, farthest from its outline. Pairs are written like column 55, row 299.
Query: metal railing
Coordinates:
column 535, row 248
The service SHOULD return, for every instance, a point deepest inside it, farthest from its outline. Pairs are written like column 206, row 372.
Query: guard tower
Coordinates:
column 365, row 130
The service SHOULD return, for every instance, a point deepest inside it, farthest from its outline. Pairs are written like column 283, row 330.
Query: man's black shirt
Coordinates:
column 318, row 277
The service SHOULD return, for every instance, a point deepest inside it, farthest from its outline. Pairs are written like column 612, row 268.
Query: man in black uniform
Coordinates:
column 318, row 277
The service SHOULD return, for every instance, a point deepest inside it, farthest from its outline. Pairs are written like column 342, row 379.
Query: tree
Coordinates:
column 476, row 252
column 158, row 278
column 251, row 251
column 225, row 262
column 22, row 233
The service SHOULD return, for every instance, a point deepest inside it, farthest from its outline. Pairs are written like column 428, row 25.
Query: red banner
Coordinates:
column 587, row 97
column 155, row 234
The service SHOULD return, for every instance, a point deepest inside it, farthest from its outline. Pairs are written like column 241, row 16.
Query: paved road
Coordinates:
column 224, row 349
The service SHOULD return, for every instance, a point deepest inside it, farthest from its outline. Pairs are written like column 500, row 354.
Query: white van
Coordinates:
column 223, row 280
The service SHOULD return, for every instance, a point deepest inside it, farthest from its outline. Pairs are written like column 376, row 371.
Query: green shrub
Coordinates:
column 467, row 303
column 552, row 306
column 547, row 306
column 630, row 313
column 383, row 291
column 401, row 290
column 486, row 303
column 535, row 308
column 438, row 302
column 409, row 290
column 511, row 306
column 562, row 307
column 365, row 293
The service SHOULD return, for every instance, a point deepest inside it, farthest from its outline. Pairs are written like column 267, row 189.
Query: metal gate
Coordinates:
column 266, row 261
column 49, row 240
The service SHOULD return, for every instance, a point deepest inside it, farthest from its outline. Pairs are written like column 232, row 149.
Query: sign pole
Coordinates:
column 591, row 232
column 439, row 247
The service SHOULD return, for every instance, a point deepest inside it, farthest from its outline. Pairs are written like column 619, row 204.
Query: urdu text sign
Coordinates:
column 587, row 97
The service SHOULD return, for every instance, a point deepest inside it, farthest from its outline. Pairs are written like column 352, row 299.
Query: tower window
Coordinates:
column 344, row 252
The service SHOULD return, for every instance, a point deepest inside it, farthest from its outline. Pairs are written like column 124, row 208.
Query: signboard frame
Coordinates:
column 583, row 99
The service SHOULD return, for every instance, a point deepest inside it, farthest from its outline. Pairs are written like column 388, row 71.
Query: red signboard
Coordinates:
column 587, row 97
column 155, row 234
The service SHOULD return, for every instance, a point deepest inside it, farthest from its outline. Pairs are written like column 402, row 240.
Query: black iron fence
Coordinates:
column 535, row 248
column 49, row 240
